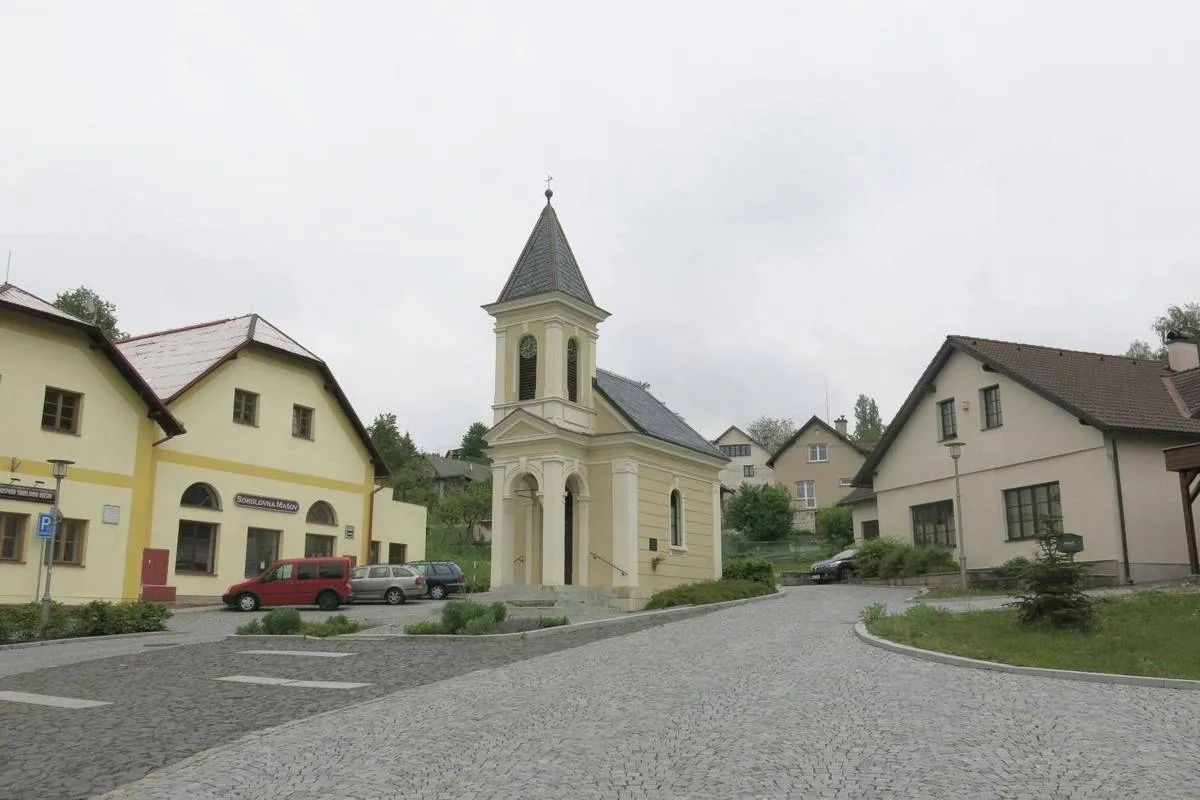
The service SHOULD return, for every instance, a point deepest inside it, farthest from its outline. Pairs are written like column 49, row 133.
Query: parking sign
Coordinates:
column 45, row 528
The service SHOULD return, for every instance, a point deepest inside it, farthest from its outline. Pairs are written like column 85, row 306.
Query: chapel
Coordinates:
column 600, row 492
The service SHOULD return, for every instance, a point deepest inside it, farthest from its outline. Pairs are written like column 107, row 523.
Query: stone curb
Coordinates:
column 860, row 630
column 81, row 639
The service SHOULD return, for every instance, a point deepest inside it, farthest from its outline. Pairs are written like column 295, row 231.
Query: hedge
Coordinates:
column 23, row 623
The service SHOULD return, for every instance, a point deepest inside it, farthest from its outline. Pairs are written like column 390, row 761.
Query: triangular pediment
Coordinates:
column 520, row 425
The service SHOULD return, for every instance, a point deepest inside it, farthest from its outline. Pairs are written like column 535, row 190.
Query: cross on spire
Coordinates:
column 549, row 191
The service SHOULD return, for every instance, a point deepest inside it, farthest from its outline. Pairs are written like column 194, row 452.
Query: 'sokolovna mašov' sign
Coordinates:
column 265, row 503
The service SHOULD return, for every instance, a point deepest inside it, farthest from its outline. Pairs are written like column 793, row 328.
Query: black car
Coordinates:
column 839, row 568
column 441, row 577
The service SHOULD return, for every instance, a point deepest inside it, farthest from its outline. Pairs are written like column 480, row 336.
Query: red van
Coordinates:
column 324, row 582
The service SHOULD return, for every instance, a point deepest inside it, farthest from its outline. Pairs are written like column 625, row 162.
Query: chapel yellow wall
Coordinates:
column 113, row 428
column 694, row 562
column 600, row 516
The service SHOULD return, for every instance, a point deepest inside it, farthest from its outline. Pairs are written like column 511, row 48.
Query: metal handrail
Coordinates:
column 611, row 564
column 518, row 559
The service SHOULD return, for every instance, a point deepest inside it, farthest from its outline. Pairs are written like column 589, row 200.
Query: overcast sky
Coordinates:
column 766, row 196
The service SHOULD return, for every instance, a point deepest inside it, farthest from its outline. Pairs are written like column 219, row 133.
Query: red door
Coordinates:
column 154, row 566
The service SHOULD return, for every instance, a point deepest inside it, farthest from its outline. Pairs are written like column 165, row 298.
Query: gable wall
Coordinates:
column 733, row 475
column 793, row 465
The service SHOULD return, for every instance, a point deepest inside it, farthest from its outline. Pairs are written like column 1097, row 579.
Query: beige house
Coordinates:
column 599, row 490
column 747, row 460
column 1045, row 432
column 817, row 465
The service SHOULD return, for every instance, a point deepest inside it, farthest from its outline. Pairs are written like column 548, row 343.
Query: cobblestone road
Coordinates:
column 767, row 700
column 167, row 704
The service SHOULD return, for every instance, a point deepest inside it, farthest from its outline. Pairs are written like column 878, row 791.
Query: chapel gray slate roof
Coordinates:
column 649, row 415
column 546, row 264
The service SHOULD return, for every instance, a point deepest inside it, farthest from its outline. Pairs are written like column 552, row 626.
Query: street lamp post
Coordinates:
column 58, row 468
column 956, row 453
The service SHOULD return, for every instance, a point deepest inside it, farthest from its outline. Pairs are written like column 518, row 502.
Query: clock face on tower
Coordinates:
column 528, row 347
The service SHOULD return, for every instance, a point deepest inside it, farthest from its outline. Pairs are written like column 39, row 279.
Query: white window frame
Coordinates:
column 809, row 498
column 847, row 482
column 822, row 451
column 682, row 519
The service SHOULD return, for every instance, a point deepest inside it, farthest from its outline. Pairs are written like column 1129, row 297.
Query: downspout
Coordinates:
column 370, row 520
column 1121, row 512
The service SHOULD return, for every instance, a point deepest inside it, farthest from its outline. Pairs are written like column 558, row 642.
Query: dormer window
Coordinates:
column 573, row 371
column 527, row 368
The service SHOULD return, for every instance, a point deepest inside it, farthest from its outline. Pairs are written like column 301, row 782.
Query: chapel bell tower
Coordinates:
column 546, row 333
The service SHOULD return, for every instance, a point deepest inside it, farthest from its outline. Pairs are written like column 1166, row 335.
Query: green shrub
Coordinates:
column 426, row 627
column 892, row 563
column 871, row 553
column 704, row 592
column 552, row 622
column 252, row 628
column 282, row 622
column 480, row 626
column 926, row 558
column 1013, row 568
column 480, row 583
column 336, row 625
column 458, row 614
column 749, row 568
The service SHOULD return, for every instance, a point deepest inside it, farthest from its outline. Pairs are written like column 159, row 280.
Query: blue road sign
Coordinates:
column 45, row 528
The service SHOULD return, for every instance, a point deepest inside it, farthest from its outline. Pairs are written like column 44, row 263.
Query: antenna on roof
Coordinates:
column 8, row 267
column 827, row 399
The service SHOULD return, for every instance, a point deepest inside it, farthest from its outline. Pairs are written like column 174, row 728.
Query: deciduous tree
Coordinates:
column 90, row 307
column 771, row 432
column 761, row 513
column 1182, row 319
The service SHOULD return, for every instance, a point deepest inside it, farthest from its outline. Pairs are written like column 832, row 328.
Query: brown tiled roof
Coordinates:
column 1187, row 386
column 1108, row 392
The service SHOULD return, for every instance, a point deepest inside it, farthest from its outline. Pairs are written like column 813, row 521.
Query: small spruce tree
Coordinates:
column 1052, row 586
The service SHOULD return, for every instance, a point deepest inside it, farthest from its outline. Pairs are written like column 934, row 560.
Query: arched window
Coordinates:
column 201, row 495
column 321, row 513
column 572, row 370
column 527, row 370
column 676, row 518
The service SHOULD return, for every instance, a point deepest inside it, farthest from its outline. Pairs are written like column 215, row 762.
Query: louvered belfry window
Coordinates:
column 573, row 371
column 527, row 369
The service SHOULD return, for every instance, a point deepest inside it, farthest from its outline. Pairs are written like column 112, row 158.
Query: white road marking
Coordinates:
column 51, row 700
column 289, row 682
column 310, row 653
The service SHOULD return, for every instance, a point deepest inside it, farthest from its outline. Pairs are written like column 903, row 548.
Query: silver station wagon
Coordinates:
column 391, row 583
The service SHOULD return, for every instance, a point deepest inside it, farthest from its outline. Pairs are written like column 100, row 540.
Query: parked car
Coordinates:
column 441, row 577
column 839, row 568
column 391, row 583
column 324, row 582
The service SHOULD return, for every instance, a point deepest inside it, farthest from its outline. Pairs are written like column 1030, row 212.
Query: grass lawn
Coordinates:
column 1155, row 634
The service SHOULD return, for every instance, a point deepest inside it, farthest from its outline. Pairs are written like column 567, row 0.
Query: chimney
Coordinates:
column 1183, row 352
column 840, row 424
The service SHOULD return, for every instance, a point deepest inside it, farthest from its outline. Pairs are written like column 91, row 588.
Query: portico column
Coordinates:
column 530, row 520
column 625, row 521
column 553, row 522
column 581, row 523
column 718, row 564
column 503, row 529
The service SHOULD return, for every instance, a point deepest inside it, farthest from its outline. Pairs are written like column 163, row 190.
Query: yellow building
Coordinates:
column 66, row 392
column 274, row 461
column 596, row 483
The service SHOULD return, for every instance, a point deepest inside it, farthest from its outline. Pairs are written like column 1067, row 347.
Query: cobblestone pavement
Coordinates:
column 768, row 700
column 166, row 704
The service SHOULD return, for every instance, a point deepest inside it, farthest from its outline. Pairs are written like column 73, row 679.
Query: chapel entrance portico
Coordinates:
column 543, row 537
